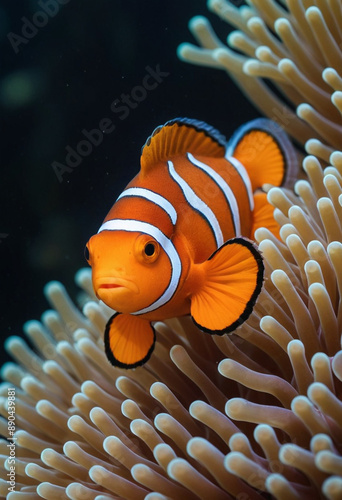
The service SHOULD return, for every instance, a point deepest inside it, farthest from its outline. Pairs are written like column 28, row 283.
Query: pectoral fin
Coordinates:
column 233, row 278
column 129, row 340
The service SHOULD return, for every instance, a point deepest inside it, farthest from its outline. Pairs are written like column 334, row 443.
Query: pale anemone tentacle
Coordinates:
column 186, row 424
column 297, row 48
column 240, row 416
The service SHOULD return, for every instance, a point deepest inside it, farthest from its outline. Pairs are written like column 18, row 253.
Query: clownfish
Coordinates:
column 177, row 241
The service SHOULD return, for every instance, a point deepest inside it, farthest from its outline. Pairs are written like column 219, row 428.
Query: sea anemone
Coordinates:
column 286, row 57
column 250, row 415
column 225, row 417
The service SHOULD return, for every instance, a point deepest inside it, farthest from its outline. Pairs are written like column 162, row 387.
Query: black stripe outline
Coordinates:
column 201, row 214
column 249, row 192
column 216, row 184
column 198, row 125
column 146, row 199
column 111, row 358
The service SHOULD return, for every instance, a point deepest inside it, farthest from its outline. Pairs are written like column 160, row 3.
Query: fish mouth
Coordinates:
column 110, row 285
column 116, row 284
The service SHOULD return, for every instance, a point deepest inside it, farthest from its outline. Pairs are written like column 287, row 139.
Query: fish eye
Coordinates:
column 149, row 249
column 146, row 249
column 87, row 254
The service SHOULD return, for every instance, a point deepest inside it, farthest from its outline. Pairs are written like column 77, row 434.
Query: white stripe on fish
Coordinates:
column 168, row 247
column 197, row 204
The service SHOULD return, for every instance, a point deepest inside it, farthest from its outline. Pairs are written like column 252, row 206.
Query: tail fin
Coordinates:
column 266, row 152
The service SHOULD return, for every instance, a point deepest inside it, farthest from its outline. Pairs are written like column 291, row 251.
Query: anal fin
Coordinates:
column 129, row 340
column 233, row 278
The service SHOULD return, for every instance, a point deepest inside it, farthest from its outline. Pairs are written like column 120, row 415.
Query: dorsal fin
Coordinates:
column 180, row 136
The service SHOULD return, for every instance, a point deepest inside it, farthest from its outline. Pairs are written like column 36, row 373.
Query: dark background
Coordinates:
column 63, row 81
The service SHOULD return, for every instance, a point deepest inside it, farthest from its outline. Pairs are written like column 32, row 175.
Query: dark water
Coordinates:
column 61, row 78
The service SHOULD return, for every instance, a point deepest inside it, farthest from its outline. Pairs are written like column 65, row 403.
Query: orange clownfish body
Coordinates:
column 176, row 241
